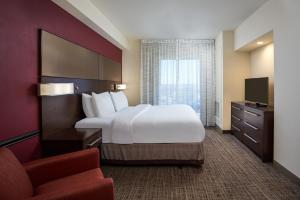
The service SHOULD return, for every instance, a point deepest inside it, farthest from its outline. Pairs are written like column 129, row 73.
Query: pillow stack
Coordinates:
column 104, row 104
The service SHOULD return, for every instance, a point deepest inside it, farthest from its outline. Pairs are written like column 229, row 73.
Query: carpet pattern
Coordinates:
column 230, row 171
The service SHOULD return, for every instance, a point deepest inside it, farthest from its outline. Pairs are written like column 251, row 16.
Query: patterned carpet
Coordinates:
column 230, row 171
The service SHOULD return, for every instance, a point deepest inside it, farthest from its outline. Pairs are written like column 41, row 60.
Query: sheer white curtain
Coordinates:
column 180, row 72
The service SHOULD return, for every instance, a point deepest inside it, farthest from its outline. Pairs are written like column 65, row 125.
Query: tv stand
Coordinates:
column 251, row 104
column 253, row 125
column 261, row 105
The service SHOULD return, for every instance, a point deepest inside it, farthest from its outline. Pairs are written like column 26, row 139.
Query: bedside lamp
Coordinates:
column 55, row 89
column 119, row 86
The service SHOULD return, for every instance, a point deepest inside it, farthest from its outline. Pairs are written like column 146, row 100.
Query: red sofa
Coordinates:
column 73, row 176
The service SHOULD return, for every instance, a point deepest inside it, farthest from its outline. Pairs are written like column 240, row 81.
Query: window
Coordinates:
column 180, row 72
column 179, row 84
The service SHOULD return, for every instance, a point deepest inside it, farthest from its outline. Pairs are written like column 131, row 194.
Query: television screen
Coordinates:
column 256, row 90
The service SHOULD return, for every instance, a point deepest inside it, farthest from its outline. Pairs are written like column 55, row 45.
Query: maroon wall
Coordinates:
column 20, row 21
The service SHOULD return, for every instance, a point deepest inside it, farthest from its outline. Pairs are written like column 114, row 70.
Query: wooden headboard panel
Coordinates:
column 62, row 112
column 63, row 61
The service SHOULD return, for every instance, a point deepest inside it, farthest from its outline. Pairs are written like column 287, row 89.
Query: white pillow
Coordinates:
column 87, row 105
column 119, row 100
column 103, row 104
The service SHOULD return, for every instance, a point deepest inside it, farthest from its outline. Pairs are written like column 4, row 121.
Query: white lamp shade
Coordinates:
column 55, row 89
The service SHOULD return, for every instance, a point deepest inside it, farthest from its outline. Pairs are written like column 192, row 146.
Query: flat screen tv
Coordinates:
column 256, row 90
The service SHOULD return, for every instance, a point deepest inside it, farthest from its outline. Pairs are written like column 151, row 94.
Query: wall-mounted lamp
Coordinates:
column 55, row 89
column 119, row 86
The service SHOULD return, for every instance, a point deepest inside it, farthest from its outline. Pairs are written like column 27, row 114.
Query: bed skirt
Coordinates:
column 153, row 154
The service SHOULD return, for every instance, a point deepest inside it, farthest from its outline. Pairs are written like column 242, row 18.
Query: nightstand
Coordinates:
column 69, row 140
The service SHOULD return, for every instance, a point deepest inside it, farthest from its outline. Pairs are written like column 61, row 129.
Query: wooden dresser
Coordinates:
column 254, row 127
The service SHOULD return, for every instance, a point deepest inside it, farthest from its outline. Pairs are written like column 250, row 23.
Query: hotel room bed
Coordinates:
column 146, row 134
column 142, row 133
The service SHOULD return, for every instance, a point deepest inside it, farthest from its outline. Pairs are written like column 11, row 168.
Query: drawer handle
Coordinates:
column 251, row 113
column 236, row 118
column 250, row 138
column 237, row 108
column 94, row 142
column 255, row 128
column 236, row 128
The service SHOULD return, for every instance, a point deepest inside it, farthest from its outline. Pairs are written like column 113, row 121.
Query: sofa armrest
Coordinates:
column 47, row 169
column 102, row 189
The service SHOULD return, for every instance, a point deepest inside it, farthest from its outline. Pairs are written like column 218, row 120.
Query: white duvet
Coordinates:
column 149, row 124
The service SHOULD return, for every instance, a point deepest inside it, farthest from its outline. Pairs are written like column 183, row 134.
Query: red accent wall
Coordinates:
column 20, row 21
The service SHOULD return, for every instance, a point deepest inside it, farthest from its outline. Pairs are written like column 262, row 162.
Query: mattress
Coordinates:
column 149, row 124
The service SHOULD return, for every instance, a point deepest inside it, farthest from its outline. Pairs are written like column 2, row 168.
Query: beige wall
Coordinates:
column 283, row 18
column 234, row 67
column 262, row 65
column 131, row 62
column 236, row 70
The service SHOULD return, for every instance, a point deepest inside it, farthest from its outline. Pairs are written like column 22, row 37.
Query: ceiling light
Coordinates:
column 260, row 43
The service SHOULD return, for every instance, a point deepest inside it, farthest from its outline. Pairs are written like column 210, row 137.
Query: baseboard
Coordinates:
column 219, row 130
column 286, row 172
column 226, row 131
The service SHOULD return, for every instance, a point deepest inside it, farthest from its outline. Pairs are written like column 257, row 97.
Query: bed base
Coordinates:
column 196, row 163
column 153, row 154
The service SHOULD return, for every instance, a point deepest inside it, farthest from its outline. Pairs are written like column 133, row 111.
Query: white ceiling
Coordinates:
column 167, row 19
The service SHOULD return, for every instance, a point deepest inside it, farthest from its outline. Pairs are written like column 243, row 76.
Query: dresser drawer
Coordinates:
column 236, row 120
column 237, row 111
column 93, row 141
column 254, row 110
column 252, row 143
column 253, row 119
column 255, row 134
column 236, row 130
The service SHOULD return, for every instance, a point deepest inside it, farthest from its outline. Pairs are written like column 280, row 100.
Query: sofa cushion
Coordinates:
column 69, row 182
column 14, row 181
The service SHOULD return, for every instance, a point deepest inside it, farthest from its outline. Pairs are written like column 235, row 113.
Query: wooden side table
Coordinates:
column 69, row 140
